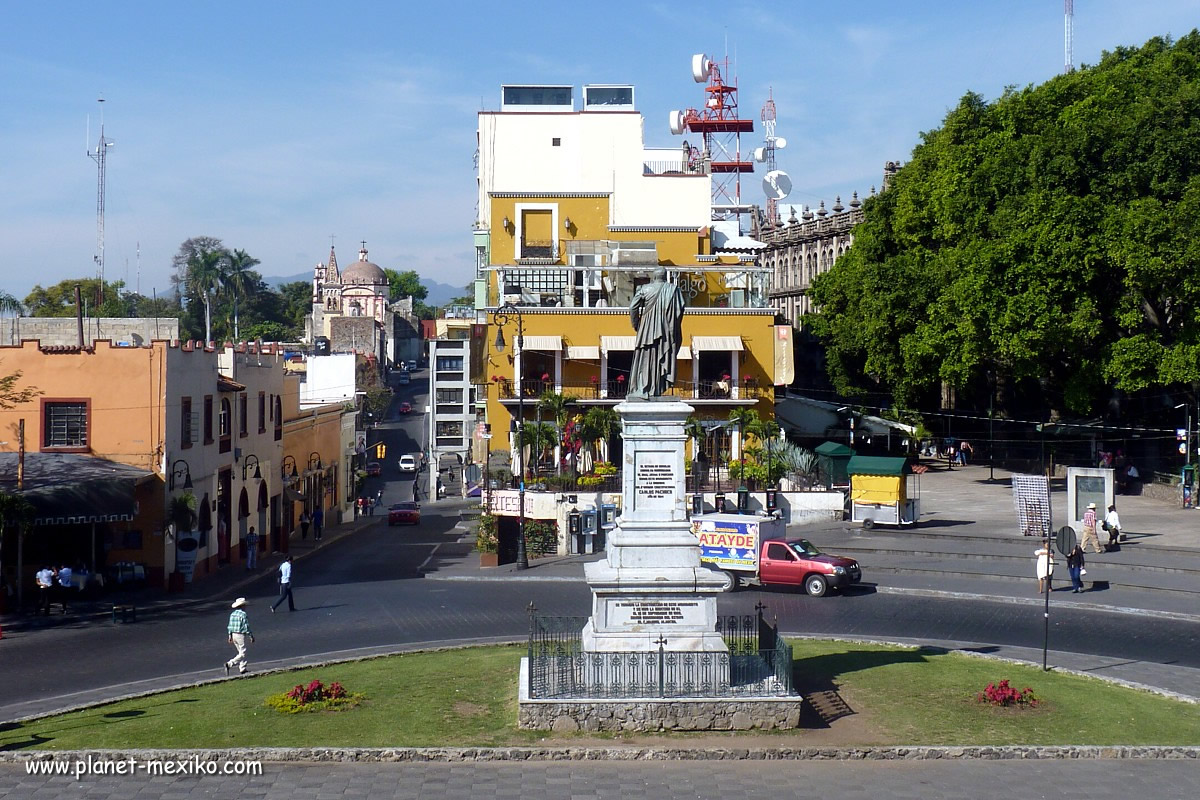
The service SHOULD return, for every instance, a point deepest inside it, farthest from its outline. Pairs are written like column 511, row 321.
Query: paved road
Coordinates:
column 677, row 780
column 365, row 591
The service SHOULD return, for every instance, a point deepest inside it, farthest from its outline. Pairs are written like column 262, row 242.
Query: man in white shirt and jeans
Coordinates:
column 285, row 585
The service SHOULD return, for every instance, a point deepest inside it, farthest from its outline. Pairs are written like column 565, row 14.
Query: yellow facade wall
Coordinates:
column 586, row 329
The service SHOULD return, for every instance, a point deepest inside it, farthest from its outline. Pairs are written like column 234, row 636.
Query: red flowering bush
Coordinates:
column 1004, row 695
column 620, row 379
column 545, row 376
column 747, row 378
column 595, row 379
column 316, row 696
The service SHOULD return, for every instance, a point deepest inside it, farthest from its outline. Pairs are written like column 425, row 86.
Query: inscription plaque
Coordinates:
column 625, row 613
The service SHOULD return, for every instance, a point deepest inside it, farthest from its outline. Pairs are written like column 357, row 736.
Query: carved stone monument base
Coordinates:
column 651, row 592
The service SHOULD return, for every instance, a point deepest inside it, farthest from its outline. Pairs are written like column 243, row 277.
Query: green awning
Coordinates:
column 103, row 500
column 833, row 449
column 877, row 465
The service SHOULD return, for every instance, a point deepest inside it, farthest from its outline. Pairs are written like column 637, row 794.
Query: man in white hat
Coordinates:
column 239, row 630
column 1089, row 529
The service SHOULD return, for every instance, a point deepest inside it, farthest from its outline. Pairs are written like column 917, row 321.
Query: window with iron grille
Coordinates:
column 185, row 422
column 242, row 415
column 262, row 412
column 65, row 424
column 208, row 419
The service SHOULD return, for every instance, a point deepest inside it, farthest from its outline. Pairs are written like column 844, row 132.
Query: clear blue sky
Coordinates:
column 274, row 125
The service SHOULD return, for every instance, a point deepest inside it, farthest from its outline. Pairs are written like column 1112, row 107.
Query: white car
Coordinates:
column 408, row 463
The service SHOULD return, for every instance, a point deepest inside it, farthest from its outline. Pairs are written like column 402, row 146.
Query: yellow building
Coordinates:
column 575, row 213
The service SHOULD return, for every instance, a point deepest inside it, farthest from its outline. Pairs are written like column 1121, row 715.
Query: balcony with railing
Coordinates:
column 673, row 167
column 616, row 390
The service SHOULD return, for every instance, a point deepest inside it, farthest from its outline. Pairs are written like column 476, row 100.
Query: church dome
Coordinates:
column 363, row 272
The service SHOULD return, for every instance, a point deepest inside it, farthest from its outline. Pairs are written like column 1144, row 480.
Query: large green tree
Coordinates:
column 1050, row 237
column 59, row 300
column 408, row 284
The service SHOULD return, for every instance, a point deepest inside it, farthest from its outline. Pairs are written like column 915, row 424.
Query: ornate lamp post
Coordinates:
column 501, row 317
column 251, row 461
column 184, row 472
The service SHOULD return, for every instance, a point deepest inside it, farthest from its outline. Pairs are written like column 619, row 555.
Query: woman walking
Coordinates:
column 1045, row 567
column 1075, row 567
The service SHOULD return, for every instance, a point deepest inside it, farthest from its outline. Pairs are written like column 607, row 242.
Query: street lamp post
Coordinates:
column 501, row 317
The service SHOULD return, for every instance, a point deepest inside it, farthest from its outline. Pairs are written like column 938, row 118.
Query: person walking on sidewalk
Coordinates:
column 239, row 629
column 964, row 447
column 1075, row 567
column 285, row 586
column 318, row 523
column 1112, row 524
column 305, row 521
column 1089, row 528
column 1045, row 567
column 252, row 549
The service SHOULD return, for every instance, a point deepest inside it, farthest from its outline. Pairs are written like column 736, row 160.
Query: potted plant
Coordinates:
column 487, row 541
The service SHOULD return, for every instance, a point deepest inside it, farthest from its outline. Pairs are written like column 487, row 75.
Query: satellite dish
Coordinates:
column 780, row 142
column 760, row 154
column 700, row 65
column 776, row 184
column 677, row 122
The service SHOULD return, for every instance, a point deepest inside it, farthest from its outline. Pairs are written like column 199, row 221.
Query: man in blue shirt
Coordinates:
column 285, row 585
column 239, row 629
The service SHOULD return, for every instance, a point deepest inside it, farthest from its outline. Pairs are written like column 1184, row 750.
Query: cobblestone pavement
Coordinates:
column 745, row 780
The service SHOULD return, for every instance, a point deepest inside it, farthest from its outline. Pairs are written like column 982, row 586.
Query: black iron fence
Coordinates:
column 758, row 663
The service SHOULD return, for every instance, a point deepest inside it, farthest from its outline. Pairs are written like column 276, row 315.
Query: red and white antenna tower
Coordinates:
column 718, row 123
column 776, row 184
column 1068, row 36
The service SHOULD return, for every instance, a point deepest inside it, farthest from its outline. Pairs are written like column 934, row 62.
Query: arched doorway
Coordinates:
column 243, row 520
column 261, row 526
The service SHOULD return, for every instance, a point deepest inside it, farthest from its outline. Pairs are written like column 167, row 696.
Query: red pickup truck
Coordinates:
column 753, row 550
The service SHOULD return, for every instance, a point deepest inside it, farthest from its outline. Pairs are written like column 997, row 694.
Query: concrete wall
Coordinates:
column 65, row 331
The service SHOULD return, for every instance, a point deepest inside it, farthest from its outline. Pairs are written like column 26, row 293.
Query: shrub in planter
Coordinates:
column 486, row 540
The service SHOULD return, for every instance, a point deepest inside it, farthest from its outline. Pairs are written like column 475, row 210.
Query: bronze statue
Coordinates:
column 657, row 315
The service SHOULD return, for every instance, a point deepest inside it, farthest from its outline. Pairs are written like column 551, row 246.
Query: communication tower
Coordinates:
column 99, row 155
column 1068, row 36
column 718, row 124
column 776, row 183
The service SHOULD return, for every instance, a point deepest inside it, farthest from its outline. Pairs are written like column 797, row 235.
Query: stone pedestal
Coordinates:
column 651, row 592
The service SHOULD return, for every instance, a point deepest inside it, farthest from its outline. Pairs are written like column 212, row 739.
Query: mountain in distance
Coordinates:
column 439, row 293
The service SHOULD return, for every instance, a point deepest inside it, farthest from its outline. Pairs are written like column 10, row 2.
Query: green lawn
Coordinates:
column 468, row 698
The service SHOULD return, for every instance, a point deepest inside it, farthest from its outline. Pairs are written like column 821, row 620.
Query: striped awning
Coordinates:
column 611, row 343
column 721, row 343
column 580, row 352
column 550, row 343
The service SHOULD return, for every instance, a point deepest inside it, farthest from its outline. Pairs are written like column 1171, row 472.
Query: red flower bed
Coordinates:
column 1004, row 695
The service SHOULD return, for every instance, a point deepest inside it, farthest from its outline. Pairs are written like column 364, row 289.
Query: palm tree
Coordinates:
column 766, row 430
column 557, row 407
column 238, row 280
column 10, row 304
column 205, row 271
column 599, row 424
column 746, row 419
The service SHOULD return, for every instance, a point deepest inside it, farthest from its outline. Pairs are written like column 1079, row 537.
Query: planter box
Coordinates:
column 489, row 559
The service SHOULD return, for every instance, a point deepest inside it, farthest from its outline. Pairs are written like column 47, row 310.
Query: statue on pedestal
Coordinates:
column 657, row 315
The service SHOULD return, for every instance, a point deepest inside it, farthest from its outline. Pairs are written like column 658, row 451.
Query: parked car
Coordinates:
column 405, row 408
column 408, row 463
column 404, row 514
column 404, row 378
column 752, row 550
column 374, row 469
column 411, row 366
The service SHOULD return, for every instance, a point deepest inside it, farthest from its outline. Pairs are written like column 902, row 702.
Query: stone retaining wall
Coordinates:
column 614, row 716
column 615, row 753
